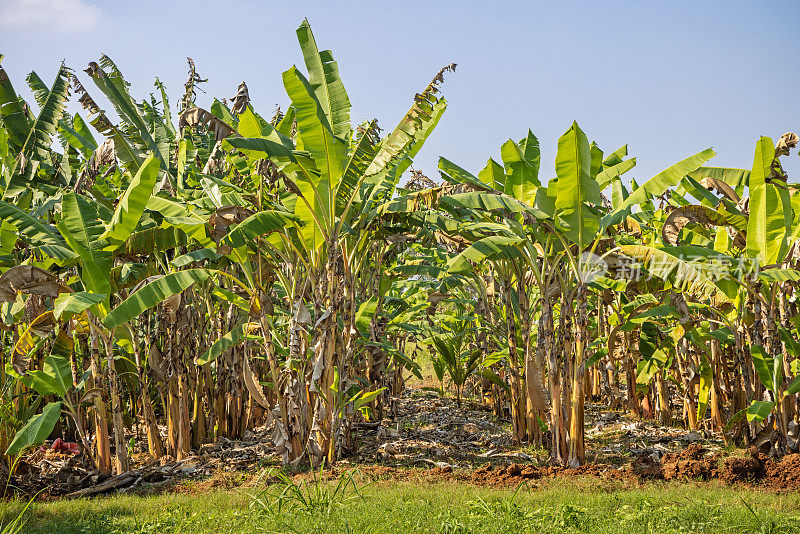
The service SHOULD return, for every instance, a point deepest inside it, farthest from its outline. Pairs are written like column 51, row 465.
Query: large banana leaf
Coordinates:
column 78, row 136
column 770, row 218
column 132, row 203
column 738, row 179
column 73, row 133
column 575, row 187
column 653, row 355
column 328, row 152
column 257, row 148
column 31, row 229
column 167, row 207
column 615, row 157
column 489, row 202
column 323, row 75
column 11, row 112
column 608, row 174
column 226, row 342
column 256, row 225
column 36, row 430
column 329, row 155
column 115, row 88
column 493, row 175
column 53, row 103
column 153, row 293
column 69, row 304
column 657, row 185
column 410, row 134
column 685, row 274
column 79, row 230
column 694, row 188
column 490, row 248
column 192, row 227
column 361, row 157
column 131, row 156
column 618, row 193
column 55, row 377
column 521, row 161
column 40, row 136
column 769, row 368
column 452, row 171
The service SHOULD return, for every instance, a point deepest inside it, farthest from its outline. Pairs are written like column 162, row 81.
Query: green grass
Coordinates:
column 586, row 505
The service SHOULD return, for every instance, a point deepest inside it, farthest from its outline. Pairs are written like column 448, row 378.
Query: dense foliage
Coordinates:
column 192, row 277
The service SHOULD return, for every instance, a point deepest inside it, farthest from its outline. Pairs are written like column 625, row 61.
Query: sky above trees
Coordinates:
column 670, row 79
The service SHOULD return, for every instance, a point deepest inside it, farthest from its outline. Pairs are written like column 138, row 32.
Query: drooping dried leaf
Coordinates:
column 171, row 305
column 301, row 315
column 197, row 116
column 437, row 297
column 419, row 181
column 787, row 141
column 225, row 217
column 684, row 215
column 715, row 184
column 92, row 394
column 156, row 362
column 31, row 280
column 553, row 290
column 253, row 387
column 103, row 156
column 241, row 100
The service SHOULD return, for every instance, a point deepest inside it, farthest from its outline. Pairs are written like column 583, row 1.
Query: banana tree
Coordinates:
column 331, row 179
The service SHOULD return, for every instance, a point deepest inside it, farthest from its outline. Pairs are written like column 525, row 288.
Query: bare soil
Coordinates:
column 430, row 440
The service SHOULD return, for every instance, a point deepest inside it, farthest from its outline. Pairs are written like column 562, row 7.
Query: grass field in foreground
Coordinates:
column 584, row 505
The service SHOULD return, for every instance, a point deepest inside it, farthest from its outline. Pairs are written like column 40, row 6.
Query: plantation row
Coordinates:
column 214, row 270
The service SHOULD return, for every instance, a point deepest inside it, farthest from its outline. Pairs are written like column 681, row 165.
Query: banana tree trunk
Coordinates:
column 630, row 374
column 198, row 414
column 184, row 432
column 154, row 446
column 789, row 400
column 558, row 446
column 120, row 447
column 517, row 394
column 577, row 449
column 689, row 402
column 100, row 420
column 664, row 411
column 537, row 399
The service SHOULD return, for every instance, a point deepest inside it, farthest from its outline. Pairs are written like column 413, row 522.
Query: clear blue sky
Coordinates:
column 668, row 78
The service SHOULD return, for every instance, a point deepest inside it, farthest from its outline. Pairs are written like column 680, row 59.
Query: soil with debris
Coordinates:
column 56, row 474
column 431, row 439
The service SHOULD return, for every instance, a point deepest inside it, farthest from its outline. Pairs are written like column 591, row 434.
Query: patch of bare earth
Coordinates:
column 429, row 439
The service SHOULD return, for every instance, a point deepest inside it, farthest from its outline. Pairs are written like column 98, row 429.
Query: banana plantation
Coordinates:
column 174, row 275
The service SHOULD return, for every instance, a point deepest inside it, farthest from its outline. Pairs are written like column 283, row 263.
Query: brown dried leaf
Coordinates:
column 156, row 362
column 715, row 184
column 225, row 217
column 29, row 280
column 94, row 393
column 301, row 315
column 684, row 215
column 253, row 387
column 189, row 87
column 787, row 141
column 437, row 297
column 171, row 305
column 241, row 100
column 198, row 116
